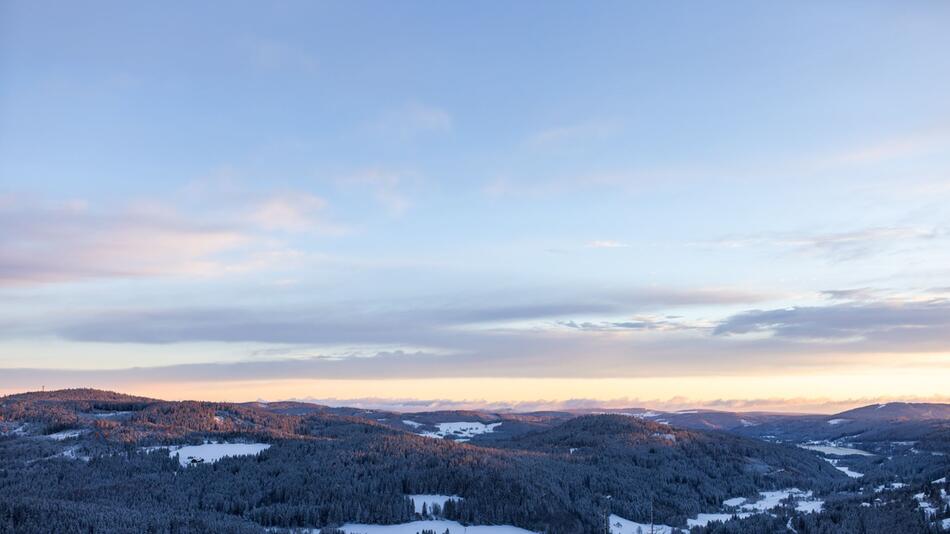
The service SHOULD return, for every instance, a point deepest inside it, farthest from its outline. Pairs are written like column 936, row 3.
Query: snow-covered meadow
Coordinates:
column 210, row 452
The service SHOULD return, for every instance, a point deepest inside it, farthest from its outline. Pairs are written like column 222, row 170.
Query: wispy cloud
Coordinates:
column 606, row 243
column 385, row 187
column 889, row 323
column 413, row 119
column 295, row 212
column 56, row 243
column 579, row 132
column 274, row 55
column 838, row 246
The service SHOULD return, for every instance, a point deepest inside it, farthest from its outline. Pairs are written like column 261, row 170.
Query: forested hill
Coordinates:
column 80, row 458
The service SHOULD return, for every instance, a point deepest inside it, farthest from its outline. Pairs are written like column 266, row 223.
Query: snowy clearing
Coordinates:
column 65, row 434
column 771, row 499
column 439, row 526
column 735, row 501
column 702, row 520
column 844, row 469
column 837, row 421
column 210, row 452
column 429, row 500
column 834, row 450
column 619, row 525
column 413, row 424
column 461, row 431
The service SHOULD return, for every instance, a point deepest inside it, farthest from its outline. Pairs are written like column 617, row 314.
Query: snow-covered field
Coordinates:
column 438, row 526
column 210, row 452
column 834, row 450
column 65, row 434
column 837, row 421
column 429, row 500
column 461, row 431
column 619, row 525
column 768, row 500
column 844, row 469
column 704, row 519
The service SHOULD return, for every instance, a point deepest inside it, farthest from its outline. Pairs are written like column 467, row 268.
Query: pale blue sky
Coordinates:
column 373, row 190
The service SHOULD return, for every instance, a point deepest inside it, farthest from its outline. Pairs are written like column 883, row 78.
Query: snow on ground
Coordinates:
column 834, row 450
column 735, row 501
column 810, row 506
column 413, row 424
column 429, row 500
column 619, row 525
column 891, row 486
column 65, row 434
column 844, row 469
column 771, row 499
column 461, row 431
column 702, row 520
column 837, row 421
column 210, row 452
column 440, row 526
column 929, row 510
column 939, row 480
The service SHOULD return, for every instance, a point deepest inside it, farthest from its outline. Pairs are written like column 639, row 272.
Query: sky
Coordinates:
column 740, row 205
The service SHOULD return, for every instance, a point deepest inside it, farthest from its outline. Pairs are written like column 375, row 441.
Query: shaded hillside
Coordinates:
column 323, row 469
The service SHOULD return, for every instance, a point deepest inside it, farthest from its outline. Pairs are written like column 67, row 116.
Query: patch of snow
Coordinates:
column 461, row 431
column 429, row 500
column 843, row 469
column 573, row 449
column 619, row 525
column 65, row 434
column 743, row 422
column 439, row 526
column 735, row 501
column 771, row 499
column 941, row 480
column 834, row 450
column 702, row 520
column 687, row 411
column 929, row 510
column 891, row 486
column 837, row 421
column 413, row 424
column 809, row 506
column 668, row 437
column 210, row 452
column 109, row 415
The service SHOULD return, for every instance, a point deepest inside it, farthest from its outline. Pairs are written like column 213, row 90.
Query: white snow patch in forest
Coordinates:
column 429, row 500
column 702, row 520
column 65, row 434
column 735, row 501
column 834, row 450
column 844, row 469
column 771, row 499
column 929, row 510
column 210, row 452
column 837, row 421
column 619, row 525
column 439, row 526
column 939, row 480
column 462, row 430
column 413, row 424
column 687, row 411
column 743, row 422
column 891, row 486
column 810, row 506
